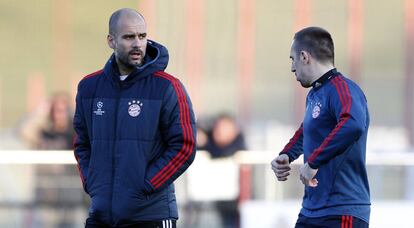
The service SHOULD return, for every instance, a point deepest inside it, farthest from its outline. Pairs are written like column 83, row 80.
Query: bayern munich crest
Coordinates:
column 316, row 110
column 134, row 108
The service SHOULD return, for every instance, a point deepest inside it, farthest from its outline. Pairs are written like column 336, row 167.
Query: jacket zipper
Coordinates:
column 114, row 149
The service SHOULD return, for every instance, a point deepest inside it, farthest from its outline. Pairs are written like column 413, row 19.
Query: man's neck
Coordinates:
column 123, row 70
column 321, row 69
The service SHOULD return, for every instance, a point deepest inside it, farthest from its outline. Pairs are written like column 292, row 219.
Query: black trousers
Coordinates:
column 332, row 221
column 169, row 223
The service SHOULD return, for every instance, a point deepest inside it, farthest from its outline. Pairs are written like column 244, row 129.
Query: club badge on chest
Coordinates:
column 316, row 110
column 134, row 108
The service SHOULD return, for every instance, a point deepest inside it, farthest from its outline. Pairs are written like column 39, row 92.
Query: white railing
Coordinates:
column 198, row 184
column 250, row 157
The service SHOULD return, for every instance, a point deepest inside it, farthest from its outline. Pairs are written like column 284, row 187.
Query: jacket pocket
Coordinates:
column 99, row 173
column 132, row 167
column 90, row 182
column 139, row 195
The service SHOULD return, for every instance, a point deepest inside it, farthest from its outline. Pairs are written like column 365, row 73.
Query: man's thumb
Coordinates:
column 282, row 160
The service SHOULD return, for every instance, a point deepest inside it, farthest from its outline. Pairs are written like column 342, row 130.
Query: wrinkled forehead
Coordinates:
column 130, row 19
column 136, row 24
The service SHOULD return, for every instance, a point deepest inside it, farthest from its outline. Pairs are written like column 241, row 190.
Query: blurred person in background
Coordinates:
column 223, row 140
column 332, row 138
column 50, row 126
column 135, row 131
column 59, row 133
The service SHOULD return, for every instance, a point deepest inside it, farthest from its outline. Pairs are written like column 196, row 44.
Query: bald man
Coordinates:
column 135, row 131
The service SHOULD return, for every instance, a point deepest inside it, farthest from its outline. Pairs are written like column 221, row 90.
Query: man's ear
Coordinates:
column 304, row 56
column 111, row 41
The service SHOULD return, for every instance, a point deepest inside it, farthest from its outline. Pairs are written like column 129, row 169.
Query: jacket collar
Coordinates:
column 156, row 59
column 326, row 77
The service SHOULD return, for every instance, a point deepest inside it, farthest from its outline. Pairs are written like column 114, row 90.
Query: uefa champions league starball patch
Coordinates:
column 134, row 108
column 99, row 111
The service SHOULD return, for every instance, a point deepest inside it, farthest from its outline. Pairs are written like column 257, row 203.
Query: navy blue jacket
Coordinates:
column 134, row 138
column 333, row 139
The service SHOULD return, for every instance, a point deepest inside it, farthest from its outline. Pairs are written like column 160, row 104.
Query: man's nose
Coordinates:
column 137, row 42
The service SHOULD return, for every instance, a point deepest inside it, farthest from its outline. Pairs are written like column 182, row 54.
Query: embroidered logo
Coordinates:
column 99, row 111
column 316, row 110
column 134, row 108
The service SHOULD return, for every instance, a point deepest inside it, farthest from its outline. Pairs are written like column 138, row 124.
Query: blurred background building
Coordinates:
column 233, row 57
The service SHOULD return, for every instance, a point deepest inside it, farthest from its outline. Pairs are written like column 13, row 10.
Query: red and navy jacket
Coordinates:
column 333, row 139
column 134, row 138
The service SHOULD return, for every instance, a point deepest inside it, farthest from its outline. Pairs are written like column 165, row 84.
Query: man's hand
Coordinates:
column 307, row 175
column 281, row 167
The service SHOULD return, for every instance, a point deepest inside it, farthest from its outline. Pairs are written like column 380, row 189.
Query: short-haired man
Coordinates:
column 332, row 138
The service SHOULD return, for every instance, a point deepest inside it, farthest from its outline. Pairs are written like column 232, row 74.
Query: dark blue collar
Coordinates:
column 326, row 77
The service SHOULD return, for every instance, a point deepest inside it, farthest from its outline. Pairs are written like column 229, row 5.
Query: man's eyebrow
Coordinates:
column 134, row 34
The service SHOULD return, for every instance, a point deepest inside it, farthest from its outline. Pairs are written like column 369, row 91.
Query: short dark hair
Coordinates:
column 113, row 20
column 317, row 41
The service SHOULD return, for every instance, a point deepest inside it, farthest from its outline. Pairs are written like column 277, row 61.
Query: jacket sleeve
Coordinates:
column 348, row 106
column 295, row 146
column 177, row 126
column 82, row 147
